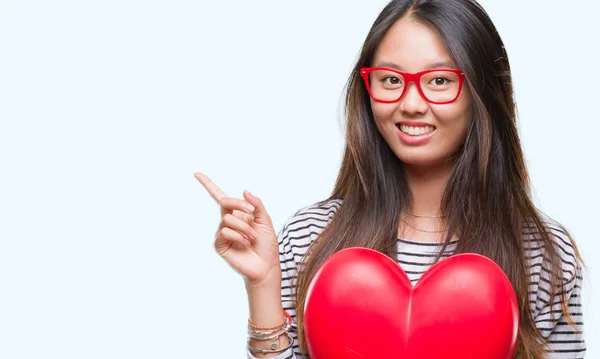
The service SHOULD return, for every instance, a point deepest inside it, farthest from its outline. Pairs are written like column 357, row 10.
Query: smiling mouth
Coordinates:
column 415, row 130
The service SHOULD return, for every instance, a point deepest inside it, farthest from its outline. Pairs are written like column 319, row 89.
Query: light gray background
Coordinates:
column 107, row 109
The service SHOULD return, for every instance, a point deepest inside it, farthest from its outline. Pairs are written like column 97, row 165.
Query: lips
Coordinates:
column 413, row 140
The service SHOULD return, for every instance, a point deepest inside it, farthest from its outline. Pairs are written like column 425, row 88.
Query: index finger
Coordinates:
column 215, row 192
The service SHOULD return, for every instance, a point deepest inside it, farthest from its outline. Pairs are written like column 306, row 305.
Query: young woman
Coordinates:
column 432, row 167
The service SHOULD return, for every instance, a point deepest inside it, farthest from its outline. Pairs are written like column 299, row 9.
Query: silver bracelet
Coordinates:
column 273, row 346
column 263, row 335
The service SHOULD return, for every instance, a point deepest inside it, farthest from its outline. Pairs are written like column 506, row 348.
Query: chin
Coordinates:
column 423, row 158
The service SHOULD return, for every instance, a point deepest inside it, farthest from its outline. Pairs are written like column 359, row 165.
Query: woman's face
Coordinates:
column 413, row 47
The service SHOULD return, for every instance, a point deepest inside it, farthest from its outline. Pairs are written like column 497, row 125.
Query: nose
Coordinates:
column 412, row 102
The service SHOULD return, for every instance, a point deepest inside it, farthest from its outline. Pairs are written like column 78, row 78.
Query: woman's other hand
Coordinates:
column 245, row 237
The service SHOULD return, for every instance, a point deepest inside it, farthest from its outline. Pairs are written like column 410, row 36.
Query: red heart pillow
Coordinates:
column 361, row 304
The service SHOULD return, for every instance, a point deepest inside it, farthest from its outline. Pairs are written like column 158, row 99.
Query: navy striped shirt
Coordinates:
column 302, row 228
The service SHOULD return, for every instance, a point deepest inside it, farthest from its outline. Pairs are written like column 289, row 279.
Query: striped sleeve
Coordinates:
column 296, row 235
column 564, row 340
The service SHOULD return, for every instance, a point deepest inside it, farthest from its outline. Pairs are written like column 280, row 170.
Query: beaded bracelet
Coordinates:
column 287, row 318
column 269, row 332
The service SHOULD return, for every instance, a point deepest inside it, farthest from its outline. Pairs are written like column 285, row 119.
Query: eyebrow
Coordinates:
column 435, row 65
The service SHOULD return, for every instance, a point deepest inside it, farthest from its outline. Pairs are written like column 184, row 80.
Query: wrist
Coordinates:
column 264, row 300
column 271, row 281
column 265, row 306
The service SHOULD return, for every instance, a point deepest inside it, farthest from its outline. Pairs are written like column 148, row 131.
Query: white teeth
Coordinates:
column 415, row 131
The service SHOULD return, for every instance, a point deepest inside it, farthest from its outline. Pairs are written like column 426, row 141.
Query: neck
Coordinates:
column 427, row 186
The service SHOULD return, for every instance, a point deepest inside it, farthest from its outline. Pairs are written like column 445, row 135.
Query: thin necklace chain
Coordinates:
column 422, row 230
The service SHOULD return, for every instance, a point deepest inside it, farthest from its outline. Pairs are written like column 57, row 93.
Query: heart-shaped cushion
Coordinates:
column 361, row 304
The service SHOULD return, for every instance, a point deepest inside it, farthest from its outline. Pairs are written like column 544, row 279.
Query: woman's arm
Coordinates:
column 247, row 241
column 295, row 238
column 265, row 310
column 266, row 304
column 565, row 341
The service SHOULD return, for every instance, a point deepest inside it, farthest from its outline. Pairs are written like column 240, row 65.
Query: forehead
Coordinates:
column 412, row 46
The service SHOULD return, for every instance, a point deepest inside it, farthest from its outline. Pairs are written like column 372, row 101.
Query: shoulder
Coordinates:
column 561, row 240
column 311, row 218
column 305, row 225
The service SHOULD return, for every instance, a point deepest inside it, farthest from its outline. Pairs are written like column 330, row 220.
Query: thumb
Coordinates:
column 260, row 213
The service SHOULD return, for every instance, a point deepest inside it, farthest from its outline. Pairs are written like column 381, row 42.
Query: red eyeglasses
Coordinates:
column 438, row 86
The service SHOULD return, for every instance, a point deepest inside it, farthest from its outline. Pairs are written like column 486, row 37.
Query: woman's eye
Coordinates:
column 440, row 81
column 390, row 80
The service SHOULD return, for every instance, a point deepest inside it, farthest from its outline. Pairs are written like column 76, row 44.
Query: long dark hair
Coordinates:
column 487, row 201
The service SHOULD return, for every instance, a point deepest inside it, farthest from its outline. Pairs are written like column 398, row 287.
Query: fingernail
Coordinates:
column 250, row 207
